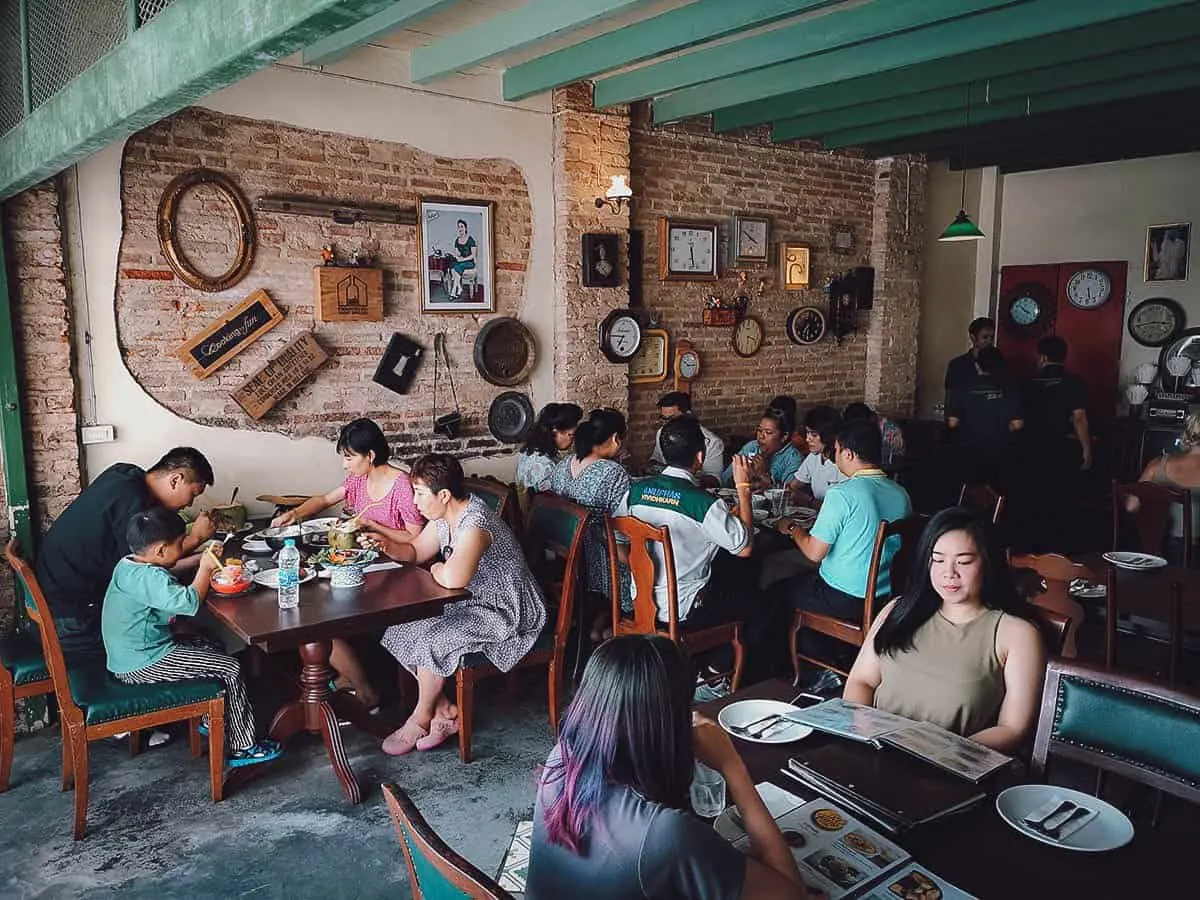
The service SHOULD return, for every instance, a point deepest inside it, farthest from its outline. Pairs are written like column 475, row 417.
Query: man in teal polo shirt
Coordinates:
column 843, row 537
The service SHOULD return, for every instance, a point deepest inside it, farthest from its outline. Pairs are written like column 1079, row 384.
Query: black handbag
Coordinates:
column 447, row 424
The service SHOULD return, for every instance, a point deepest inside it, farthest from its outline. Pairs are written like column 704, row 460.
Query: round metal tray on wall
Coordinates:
column 510, row 417
column 505, row 352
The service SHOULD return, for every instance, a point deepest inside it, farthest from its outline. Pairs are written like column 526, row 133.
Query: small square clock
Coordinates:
column 749, row 239
column 687, row 250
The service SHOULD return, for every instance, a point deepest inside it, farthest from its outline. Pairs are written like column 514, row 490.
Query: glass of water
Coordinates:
column 776, row 497
column 708, row 792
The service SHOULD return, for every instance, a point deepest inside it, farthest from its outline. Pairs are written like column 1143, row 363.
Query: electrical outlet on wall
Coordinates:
column 98, row 434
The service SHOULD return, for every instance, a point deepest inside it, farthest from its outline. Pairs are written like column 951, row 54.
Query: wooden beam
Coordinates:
column 536, row 21
column 678, row 29
column 1139, row 86
column 1007, row 25
column 983, row 94
column 1051, row 50
column 810, row 38
column 397, row 15
column 188, row 51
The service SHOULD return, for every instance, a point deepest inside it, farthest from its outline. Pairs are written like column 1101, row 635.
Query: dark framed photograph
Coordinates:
column 599, row 264
column 1167, row 250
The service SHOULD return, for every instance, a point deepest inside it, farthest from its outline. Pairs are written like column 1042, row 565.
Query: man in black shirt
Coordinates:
column 86, row 542
column 986, row 417
column 962, row 371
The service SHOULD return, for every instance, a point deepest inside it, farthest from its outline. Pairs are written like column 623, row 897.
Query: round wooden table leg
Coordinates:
column 319, row 715
column 337, row 754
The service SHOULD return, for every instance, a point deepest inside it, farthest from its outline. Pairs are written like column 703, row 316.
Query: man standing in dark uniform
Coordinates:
column 961, row 371
column 986, row 418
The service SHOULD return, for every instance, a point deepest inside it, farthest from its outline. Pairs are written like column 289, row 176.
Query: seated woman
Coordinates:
column 818, row 470
column 502, row 619
column 957, row 650
column 613, row 816
column 552, row 435
column 773, row 459
column 379, row 493
column 594, row 479
column 1181, row 470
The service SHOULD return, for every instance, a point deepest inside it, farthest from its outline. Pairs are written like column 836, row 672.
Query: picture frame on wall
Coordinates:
column 457, row 252
column 599, row 266
column 1167, row 251
column 794, row 270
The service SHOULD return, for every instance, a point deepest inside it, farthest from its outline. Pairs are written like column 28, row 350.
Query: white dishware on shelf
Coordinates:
column 1136, row 394
column 1178, row 366
column 1145, row 373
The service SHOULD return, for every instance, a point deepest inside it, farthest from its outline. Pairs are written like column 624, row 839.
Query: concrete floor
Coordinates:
column 154, row 832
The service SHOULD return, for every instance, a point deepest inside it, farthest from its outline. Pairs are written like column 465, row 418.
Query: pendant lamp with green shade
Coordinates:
column 962, row 228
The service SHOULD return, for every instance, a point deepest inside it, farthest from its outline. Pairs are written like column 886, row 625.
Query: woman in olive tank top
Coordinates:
column 957, row 650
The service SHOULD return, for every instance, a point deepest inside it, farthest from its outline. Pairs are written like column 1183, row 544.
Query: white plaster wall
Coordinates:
column 1100, row 212
column 364, row 105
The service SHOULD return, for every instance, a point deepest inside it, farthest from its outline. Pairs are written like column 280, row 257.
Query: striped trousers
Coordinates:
column 196, row 660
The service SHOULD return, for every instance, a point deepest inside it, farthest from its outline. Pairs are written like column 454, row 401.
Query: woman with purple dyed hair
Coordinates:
column 614, row 816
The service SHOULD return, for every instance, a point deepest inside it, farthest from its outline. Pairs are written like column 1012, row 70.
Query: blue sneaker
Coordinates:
column 264, row 751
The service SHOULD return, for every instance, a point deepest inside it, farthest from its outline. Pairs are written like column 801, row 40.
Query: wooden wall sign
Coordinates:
column 280, row 375
column 348, row 293
column 230, row 335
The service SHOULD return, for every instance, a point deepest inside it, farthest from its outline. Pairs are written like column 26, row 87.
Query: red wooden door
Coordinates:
column 1093, row 337
column 1020, row 344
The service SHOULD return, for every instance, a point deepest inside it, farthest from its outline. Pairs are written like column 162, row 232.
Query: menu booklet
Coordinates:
column 849, row 720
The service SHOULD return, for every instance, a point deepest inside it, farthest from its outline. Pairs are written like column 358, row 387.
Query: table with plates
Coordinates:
column 976, row 850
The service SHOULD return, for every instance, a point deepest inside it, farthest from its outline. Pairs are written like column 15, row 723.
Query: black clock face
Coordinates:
column 805, row 325
column 1156, row 321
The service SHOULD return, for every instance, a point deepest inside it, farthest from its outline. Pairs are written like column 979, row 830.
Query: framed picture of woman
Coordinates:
column 1167, row 250
column 457, row 256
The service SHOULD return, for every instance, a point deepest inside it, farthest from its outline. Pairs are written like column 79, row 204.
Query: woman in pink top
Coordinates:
column 377, row 491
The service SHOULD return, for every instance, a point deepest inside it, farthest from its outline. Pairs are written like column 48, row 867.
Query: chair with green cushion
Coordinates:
column 23, row 673
column 434, row 870
column 1135, row 728
column 554, row 532
column 501, row 497
column 94, row 705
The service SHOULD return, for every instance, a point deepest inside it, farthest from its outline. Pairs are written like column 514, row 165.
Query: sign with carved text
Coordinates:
column 282, row 374
column 230, row 335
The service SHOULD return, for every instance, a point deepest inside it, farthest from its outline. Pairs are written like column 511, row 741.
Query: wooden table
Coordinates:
column 387, row 598
column 981, row 854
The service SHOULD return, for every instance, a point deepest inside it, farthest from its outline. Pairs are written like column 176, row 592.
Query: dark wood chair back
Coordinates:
column 435, row 872
column 642, row 566
column 982, row 498
column 1152, row 604
column 1054, row 626
column 1133, row 727
column 1056, row 572
column 1150, row 517
column 501, row 497
column 554, row 530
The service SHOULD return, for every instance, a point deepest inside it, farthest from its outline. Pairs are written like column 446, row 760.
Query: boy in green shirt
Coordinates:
column 135, row 622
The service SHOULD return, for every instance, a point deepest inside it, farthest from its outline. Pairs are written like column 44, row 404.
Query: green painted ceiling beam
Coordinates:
column 994, row 90
column 1008, row 25
column 536, row 21
column 397, row 15
column 1052, row 50
column 184, row 53
column 836, row 28
column 678, row 29
column 1125, row 88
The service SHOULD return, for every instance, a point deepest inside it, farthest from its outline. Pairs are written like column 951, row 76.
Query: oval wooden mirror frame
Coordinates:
column 169, row 205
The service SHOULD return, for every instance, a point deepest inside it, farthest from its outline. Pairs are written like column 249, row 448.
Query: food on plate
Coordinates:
column 828, row 820
column 916, row 886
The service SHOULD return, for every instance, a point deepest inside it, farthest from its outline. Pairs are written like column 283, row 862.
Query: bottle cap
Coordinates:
column 289, row 542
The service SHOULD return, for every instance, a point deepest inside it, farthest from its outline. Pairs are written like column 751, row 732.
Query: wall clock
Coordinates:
column 805, row 325
column 1027, row 310
column 620, row 336
column 649, row 364
column 687, row 250
column 1156, row 321
column 748, row 336
column 748, row 241
column 1089, row 288
column 687, row 365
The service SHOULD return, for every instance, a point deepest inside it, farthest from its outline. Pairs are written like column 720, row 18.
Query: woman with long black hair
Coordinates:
column 614, row 816
column 957, row 649
column 553, row 434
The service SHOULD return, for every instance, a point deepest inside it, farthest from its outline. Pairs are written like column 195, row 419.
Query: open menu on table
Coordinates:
column 915, row 882
column 849, row 720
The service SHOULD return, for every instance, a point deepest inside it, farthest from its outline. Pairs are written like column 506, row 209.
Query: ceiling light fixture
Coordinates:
column 962, row 228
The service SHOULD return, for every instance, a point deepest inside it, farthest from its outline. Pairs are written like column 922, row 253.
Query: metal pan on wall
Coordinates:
column 505, row 352
column 510, row 417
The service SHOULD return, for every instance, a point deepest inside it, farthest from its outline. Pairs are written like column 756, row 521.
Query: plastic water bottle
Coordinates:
column 289, row 575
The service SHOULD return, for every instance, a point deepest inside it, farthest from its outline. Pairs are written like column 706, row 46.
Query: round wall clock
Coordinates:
column 1089, row 289
column 747, row 336
column 1156, row 321
column 1028, row 309
column 689, row 365
column 505, row 352
column 620, row 336
column 805, row 325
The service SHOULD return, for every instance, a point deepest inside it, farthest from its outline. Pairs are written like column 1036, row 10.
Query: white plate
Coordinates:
column 1135, row 562
column 1093, row 592
column 313, row 526
column 252, row 546
column 1109, row 830
column 746, row 711
column 270, row 578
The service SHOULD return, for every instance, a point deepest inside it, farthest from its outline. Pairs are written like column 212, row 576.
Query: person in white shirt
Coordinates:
column 679, row 403
column 818, row 471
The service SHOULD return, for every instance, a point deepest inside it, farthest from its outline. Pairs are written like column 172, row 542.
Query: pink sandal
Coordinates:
column 439, row 730
column 405, row 738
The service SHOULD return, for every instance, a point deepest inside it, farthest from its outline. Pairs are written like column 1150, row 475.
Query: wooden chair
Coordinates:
column 1054, row 626
column 908, row 531
column 982, row 498
column 1173, row 615
column 435, row 872
column 1151, row 519
column 1057, row 573
column 555, row 526
column 642, row 536
column 23, row 673
column 1130, row 726
column 94, row 705
column 501, row 497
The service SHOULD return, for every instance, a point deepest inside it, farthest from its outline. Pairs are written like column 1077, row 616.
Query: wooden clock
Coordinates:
column 649, row 364
column 687, row 365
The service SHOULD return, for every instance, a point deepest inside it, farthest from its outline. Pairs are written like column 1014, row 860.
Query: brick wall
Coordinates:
column 42, row 324
column 263, row 157
column 686, row 171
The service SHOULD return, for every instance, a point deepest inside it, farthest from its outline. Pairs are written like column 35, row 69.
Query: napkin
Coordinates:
column 383, row 566
column 1048, row 807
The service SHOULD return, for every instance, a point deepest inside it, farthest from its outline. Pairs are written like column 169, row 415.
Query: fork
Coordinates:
column 1040, row 824
column 758, row 727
